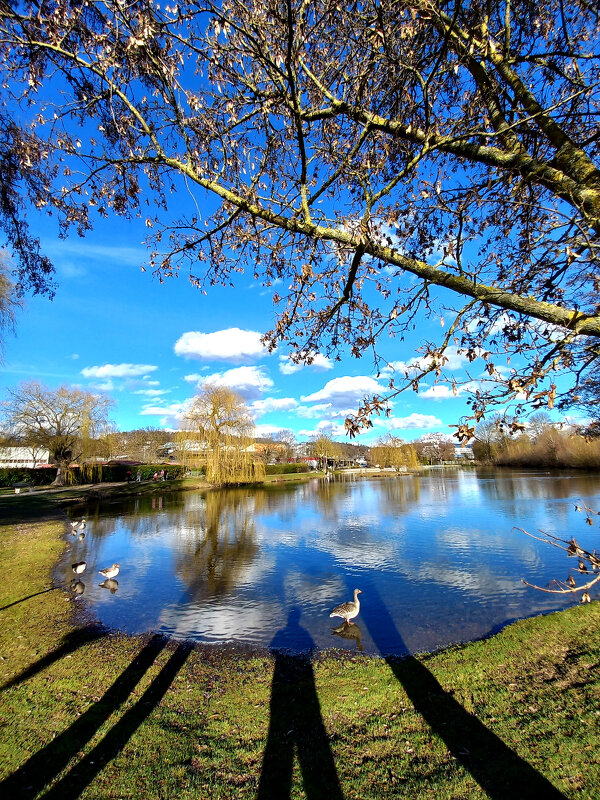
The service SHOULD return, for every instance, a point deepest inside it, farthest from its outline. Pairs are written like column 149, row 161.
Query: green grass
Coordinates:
column 86, row 713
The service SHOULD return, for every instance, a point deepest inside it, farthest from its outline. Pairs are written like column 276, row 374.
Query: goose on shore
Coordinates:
column 348, row 610
column 110, row 572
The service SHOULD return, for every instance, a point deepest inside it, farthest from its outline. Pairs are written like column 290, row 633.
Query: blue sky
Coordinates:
column 152, row 345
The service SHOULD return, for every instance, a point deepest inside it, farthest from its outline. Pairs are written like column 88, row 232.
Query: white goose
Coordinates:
column 348, row 610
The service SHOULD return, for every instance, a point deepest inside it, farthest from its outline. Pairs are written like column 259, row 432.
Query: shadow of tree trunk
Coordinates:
column 498, row 769
column 49, row 761
column 295, row 724
column 75, row 781
column 71, row 642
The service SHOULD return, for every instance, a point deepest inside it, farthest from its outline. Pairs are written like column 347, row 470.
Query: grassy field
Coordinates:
column 84, row 712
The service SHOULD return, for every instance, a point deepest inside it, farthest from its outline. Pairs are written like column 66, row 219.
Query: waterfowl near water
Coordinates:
column 78, row 567
column 110, row 572
column 77, row 586
column 348, row 610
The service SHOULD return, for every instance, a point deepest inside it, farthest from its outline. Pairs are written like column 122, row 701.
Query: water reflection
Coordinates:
column 350, row 632
column 216, row 549
column 439, row 548
column 111, row 584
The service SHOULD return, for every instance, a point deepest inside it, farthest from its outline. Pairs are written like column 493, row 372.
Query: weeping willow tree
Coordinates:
column 390, row 451
column 221, row 428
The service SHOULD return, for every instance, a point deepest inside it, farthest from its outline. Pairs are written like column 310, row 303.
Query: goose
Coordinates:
column 78, row 567
column 110, row 572
column 348, row 610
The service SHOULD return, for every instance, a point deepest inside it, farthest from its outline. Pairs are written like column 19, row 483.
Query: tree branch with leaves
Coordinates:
column 385, row 161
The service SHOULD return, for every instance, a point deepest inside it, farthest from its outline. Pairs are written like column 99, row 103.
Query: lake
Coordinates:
column 436, row 555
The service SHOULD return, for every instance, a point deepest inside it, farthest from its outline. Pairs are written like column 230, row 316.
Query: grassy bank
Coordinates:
column 87, row 713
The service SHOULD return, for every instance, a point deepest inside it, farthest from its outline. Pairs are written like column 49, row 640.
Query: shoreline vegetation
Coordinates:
column 97, row 714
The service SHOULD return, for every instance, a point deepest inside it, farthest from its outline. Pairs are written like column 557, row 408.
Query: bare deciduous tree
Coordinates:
column 62, row 420
column 9, row 302
column 382, row 160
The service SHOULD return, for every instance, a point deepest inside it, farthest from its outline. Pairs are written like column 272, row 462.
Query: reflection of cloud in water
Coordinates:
column 316, row 593
column 223, row 621
column 440, row 549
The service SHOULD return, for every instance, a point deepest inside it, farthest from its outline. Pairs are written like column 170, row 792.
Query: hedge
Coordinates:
column 286, row 469
column 36, row 477
column 111, row 473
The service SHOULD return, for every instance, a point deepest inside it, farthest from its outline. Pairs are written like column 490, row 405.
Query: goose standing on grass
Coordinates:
column 110, row 572
column 348, row 610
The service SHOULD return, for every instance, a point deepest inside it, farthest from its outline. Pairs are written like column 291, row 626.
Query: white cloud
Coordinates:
column 319, row 362
column 325, row 428
column 345, row 391
column 456, row 360
column 152, row 392
column 170, row 415
column 269, row 404
column 414, row 420
column 267, row 430
column 106, row 386
column 441, row 392
column 312, row 412
column 231, row 344
column 250, row 382
column 196, row 377
column 118, row 371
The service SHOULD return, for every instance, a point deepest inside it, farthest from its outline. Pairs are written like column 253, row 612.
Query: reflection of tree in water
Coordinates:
column 222, row 545
column 399, row 495
column 280, row 498
column 328, row 496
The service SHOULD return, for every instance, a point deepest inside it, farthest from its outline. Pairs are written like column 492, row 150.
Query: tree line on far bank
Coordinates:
column 543, row 443
column 217, row 431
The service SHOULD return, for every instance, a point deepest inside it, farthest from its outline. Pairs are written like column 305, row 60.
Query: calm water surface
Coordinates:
column 436, row 556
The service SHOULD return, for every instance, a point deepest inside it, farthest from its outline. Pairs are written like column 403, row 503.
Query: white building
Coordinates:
column 22, row 457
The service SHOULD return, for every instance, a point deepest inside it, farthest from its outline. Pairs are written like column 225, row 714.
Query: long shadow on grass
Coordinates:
column 48, row 762
column 29, row 596
column 502, row 773
column 71, row 642
column 75, row 781
column 296, row 723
